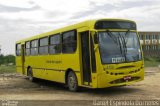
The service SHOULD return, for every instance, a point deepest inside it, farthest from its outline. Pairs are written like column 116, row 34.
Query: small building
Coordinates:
column 150, row 42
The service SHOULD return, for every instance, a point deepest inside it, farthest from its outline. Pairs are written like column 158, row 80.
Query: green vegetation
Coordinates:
column 7, row 64
column 7, row 69
column 151, row 61
column 8, row 59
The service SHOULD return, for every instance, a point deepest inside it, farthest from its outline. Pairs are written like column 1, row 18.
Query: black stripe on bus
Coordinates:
column 49, row 69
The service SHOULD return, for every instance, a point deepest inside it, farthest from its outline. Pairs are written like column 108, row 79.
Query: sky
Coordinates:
column 24, row 18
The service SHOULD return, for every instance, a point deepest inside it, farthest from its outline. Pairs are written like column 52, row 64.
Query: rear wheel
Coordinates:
column 72, row 81
column 30, row 75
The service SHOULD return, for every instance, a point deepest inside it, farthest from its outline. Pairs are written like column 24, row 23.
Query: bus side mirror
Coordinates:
column 96, row 38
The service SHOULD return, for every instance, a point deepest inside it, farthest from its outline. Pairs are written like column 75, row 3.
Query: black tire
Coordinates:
column 30, row 75
column 72, row 81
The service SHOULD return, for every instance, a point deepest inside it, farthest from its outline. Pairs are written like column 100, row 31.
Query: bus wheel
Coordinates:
column 30, row 75
column 72, row 81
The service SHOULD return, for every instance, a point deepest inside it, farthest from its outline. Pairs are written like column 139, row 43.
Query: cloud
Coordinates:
column 11, row 31
column 18, row 3
column 24, row 18
column 4, row 8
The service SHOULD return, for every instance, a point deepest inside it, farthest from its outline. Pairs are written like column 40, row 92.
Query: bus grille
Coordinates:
column 122, row 80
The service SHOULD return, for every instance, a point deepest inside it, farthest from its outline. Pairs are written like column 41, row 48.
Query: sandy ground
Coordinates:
column 18, row 90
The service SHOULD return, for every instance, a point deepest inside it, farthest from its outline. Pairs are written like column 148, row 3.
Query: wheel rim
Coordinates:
column 72, row 82
column 30, row 75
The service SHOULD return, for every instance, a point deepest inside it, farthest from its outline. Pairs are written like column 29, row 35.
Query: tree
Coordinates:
column 1, row 59
column 7, row 59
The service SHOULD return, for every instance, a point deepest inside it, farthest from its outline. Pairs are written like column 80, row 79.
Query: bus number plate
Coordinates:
column 126, row 78
column 118, row 60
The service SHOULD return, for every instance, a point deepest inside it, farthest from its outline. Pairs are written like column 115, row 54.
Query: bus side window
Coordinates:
column 69, row 42
column 34, row 47
column 27, row 46
column 18, row 49
column 43, row 46
column 55, row 44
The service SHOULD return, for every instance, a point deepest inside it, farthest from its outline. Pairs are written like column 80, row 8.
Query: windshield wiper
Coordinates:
column 115, row 39
column 123, row 42
column 120, row 45
column 127, row 33
column 112, row 36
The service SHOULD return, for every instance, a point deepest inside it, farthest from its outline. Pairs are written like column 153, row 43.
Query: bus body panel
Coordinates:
column 19, row 64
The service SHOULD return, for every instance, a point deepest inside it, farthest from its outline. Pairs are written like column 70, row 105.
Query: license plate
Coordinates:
column 127, row 78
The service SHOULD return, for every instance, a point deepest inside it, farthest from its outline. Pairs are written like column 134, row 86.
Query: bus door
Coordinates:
column 87, row 54
column 23, row 58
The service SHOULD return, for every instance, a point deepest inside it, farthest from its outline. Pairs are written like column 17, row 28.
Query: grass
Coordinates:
column 7, row 69
column 151, row 61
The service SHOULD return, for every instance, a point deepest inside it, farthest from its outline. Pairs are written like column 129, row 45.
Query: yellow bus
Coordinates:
column 95, row 54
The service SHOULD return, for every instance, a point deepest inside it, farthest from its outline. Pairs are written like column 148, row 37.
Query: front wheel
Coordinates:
column 72, row 81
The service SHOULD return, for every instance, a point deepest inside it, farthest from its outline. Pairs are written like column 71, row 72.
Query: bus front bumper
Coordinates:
column 106, row 80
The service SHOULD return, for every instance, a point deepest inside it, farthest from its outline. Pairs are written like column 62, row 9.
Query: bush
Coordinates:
column 7, row 59
column 151, row 61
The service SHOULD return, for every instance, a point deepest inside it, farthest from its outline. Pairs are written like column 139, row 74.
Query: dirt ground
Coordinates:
column 18, row 90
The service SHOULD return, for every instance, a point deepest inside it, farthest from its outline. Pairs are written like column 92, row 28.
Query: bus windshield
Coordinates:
column 119, row 47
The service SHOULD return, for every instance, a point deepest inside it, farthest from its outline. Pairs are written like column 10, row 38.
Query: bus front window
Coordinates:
column 119, row 47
